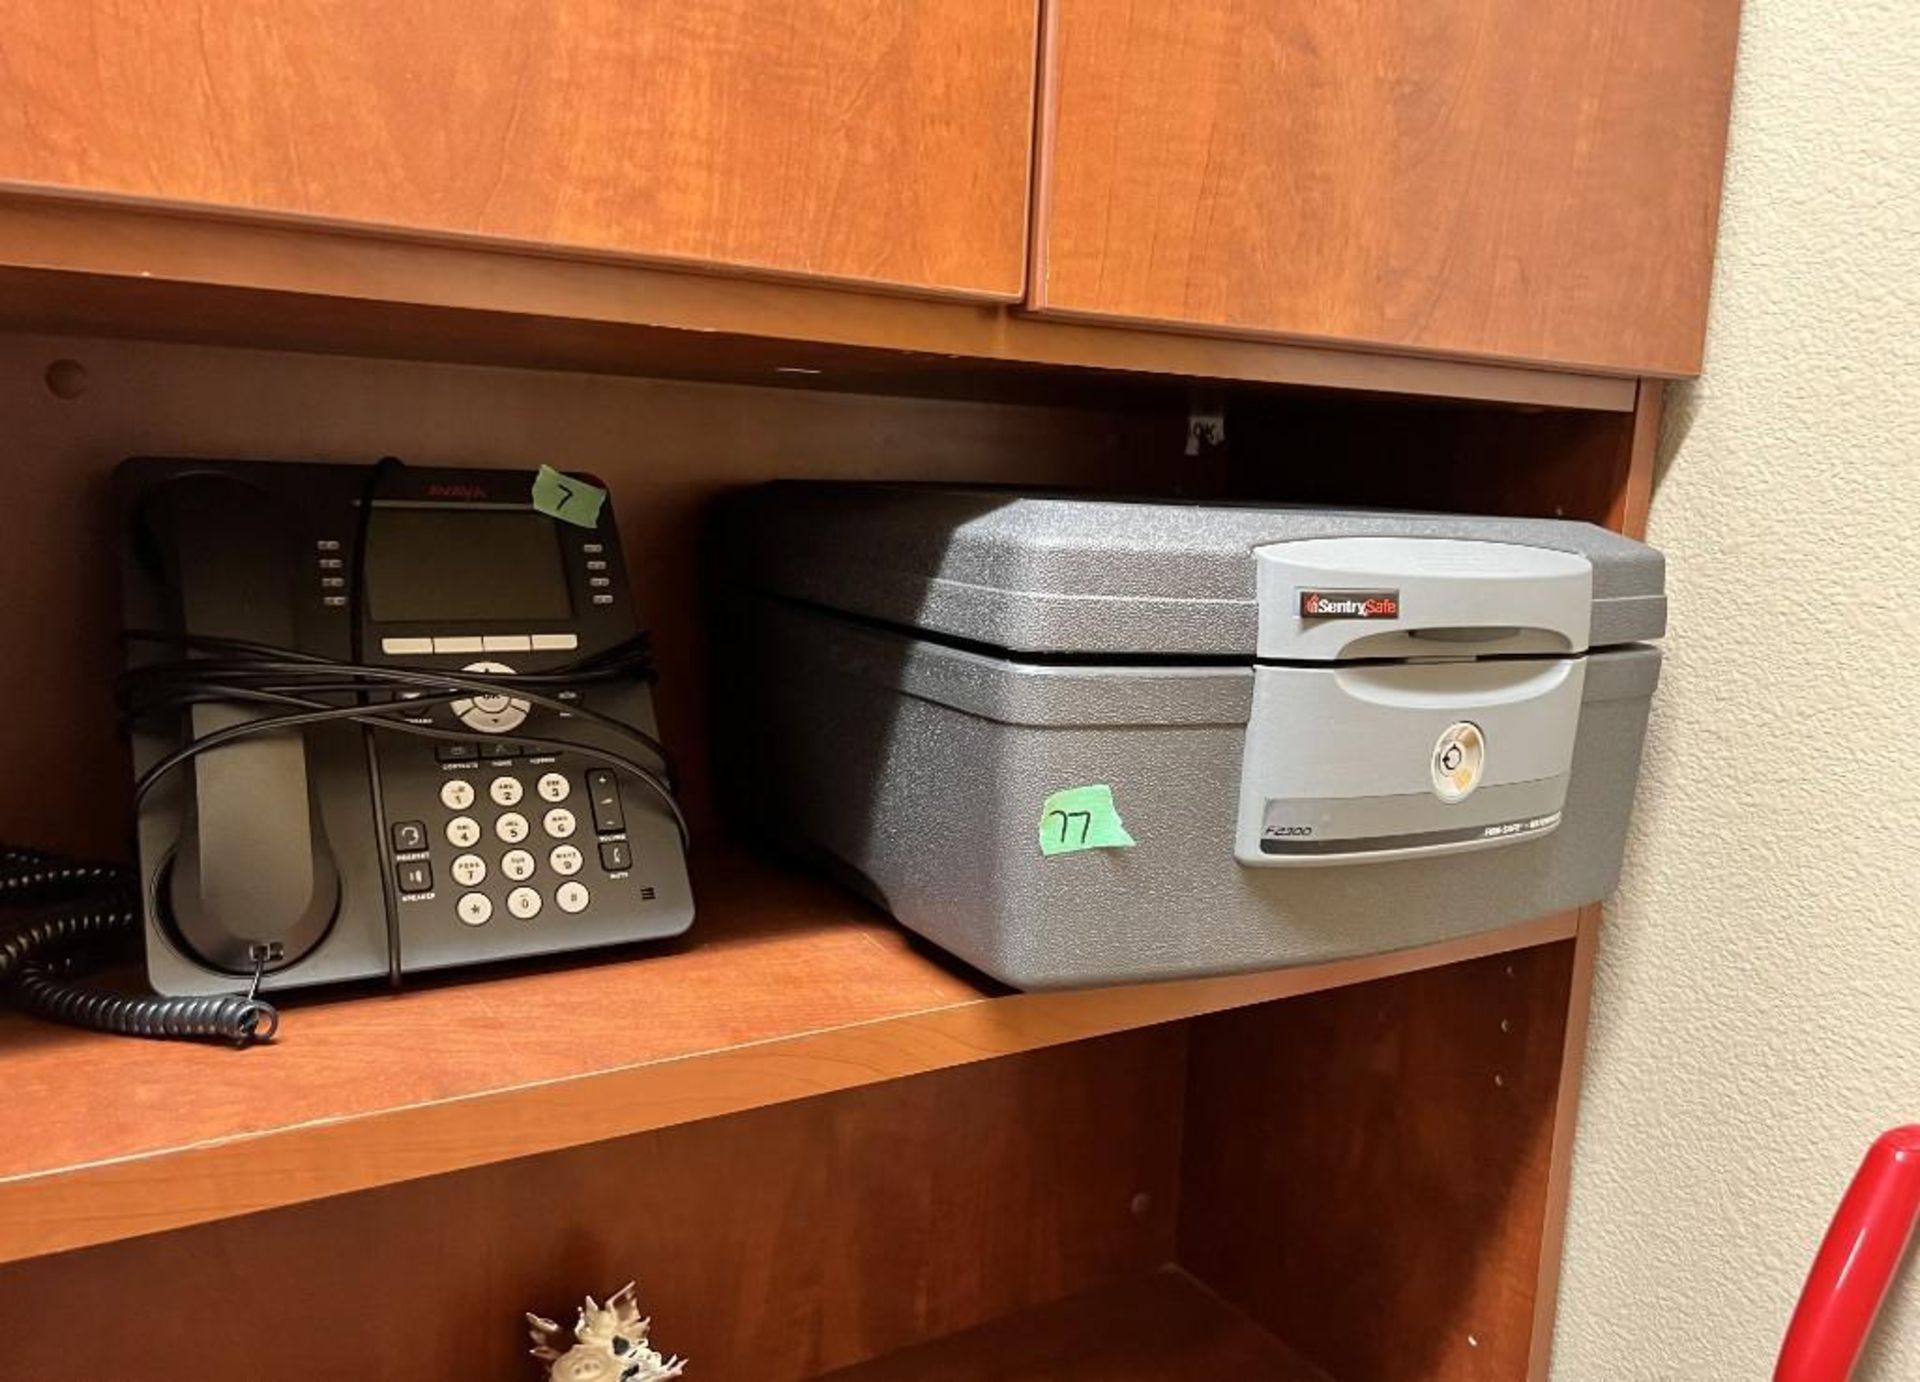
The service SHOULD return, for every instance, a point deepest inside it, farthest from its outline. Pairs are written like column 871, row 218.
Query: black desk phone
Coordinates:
column 384, row 719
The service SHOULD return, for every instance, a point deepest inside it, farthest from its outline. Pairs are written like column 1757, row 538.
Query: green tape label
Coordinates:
column 567, row 499
column 1080, row 818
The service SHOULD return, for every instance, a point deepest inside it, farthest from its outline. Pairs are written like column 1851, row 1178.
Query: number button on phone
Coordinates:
column 474, row 908
column 456, row 794
column 463, row 832
column 573, row 897
column 511, row 828
column 565, row 860
column 553, row 787
column 505, row 791
column 517, row 865
column 469, row 870
column 558, row 822
column 524, row 903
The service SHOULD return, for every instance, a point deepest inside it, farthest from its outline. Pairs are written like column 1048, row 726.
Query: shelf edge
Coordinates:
column 603, row 308
column 80, row 1206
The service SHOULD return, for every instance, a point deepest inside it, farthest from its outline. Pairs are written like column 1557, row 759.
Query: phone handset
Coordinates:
column 252, row 882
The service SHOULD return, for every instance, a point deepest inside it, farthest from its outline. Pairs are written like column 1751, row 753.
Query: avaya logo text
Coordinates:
column 1349, row 604
column 446, row 491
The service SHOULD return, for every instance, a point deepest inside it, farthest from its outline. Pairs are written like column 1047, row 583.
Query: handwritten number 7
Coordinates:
column 566, row 493
column 1068, row 817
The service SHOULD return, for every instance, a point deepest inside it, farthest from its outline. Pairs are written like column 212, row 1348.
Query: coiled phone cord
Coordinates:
column 74, row 910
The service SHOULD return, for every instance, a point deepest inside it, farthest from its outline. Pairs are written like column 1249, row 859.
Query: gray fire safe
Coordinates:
column 1085, row 741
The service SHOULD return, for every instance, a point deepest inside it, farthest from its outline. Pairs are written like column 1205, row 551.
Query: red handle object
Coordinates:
column 1863, row 1248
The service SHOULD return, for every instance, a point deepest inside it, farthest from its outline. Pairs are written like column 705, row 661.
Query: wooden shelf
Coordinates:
column 1162, row 1327
column 95, row 266
column 786, row 988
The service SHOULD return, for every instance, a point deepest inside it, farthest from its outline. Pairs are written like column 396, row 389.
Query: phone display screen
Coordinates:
column 453, row 565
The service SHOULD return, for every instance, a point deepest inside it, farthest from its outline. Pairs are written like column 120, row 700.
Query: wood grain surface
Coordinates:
column 1566, row 1119
column 767, row 1246
column 1497, row 179
column 881, row 141
column 784, row 990
column 1367, row 1172
column 1161, row 1327
column 95, row 268
column 787, row 989
column 1415, row 454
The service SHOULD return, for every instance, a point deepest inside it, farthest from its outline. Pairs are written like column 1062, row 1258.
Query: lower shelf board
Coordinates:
column 785, row 989
column 1161, row 1327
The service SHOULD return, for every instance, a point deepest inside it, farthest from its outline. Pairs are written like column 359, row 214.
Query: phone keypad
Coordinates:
column 508, row 828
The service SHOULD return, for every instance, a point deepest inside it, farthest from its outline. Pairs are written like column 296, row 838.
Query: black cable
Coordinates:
column 79, row 909
column 139, row 696
column 261, row 673
column 355, row 714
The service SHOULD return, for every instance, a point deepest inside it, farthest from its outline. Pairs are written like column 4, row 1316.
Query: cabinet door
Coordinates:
column 883, row 141
column 1519, row 179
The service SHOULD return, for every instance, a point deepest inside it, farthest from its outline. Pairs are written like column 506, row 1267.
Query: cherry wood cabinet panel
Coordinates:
column 768, row 1246
column 883, row 141
column 1370, row 1173
column 1488, row 178
column 1160, row 1327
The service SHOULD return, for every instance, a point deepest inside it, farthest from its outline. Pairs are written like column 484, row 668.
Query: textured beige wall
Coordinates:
column 1758, row 1012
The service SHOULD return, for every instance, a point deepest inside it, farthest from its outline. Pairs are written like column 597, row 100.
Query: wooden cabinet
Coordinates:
column 1491, row 178
column 879, row 141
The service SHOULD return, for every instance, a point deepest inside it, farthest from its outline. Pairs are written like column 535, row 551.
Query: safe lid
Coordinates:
column 1031, row 572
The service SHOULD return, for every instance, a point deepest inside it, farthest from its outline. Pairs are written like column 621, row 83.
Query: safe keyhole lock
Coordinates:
column 1459, row 758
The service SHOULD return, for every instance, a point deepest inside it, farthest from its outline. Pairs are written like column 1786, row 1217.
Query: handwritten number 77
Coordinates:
column 1067, row 818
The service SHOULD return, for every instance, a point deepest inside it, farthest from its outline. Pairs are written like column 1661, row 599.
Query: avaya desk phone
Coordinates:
column 385, row 719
